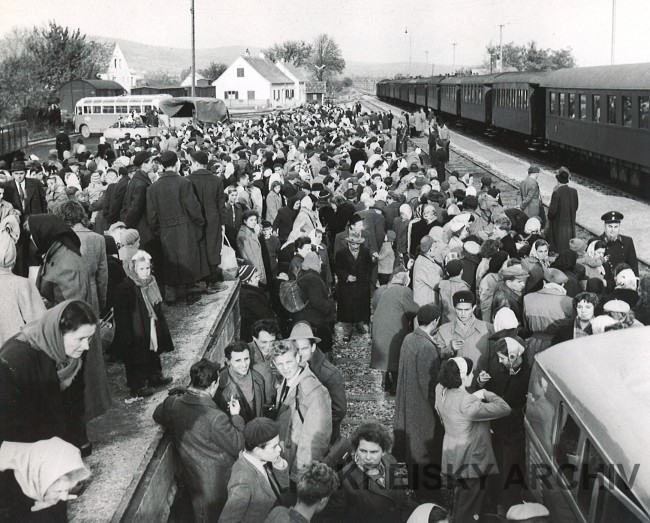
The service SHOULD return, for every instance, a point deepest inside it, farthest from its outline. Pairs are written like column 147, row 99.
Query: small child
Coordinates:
column 141, row 329
column 95, row 192
column 386, row 259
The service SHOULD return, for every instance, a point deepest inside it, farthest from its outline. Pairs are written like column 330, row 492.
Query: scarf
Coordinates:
column 45, row 335
column 47, row 229
column 150, row 294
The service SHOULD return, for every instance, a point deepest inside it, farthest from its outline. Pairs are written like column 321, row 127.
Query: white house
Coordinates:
column 255, row 81
column 299, row 76
column 119, row 71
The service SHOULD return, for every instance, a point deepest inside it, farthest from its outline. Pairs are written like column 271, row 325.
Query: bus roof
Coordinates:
column 605, row 379
column 140, row 98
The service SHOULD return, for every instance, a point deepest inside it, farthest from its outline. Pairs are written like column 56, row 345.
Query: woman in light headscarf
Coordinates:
column 594, row 260
column 536, row 263
column 44, row 472
column 307, row 219
column 21, row 303
column 400, row 226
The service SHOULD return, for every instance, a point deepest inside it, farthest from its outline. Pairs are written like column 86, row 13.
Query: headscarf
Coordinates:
column 505, row 319
column 150, row 292
column 422, row 512
column 37, row 466
column 462, row 366
column 515, row 354
column 44, row 334
column 405, row 208
column 9, row 233
column 497, row 261
column 565, row 261
column 533, row 225
column 600, row 323
column 400, row 278
column 71, row 180
column 533, row 253
column 46, row 229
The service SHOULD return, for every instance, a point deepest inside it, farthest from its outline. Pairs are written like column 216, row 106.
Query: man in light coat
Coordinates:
column 529, row 192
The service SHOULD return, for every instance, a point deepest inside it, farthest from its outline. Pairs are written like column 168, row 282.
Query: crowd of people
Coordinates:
column 325, row 214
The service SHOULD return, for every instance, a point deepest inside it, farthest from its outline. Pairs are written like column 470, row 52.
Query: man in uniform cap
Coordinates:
column 259, row 477
column 465, row 336
column 620, row 249
column 509, row 293
column 531, row 202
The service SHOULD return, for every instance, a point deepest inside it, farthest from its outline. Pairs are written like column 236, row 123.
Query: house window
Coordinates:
column 251, row 95
column 240, row 72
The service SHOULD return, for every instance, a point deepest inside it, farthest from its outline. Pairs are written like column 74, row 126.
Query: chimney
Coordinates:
column 247, row 53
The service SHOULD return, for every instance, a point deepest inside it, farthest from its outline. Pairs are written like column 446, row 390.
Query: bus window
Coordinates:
column 627, row 111
column 595, row 107
column 108, row 109
column 582, row 106
column 613, row 505
column 86, row 109
column 592, row 465
column 122, row 109
column 611, row 109
column 97, row 109
column 553, row 103
column 79, row 109
column 644, row 112
column 566, row 450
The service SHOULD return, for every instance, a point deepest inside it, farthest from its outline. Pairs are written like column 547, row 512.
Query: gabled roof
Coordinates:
column 300, row 74
column 104, row 84
column 188, row 79
column 268, row 70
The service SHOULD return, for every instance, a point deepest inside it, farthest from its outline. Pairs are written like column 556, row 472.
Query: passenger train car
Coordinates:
column 600, row 116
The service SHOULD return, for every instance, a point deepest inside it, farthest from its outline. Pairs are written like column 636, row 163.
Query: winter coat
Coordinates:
column 208, row 443
column 229, row 388
column 391, row 322
column 530, row 197
column 427, row 276
column 401, row 226
column 114, row 200
column 447, row 289
column 562, row 217
column 253, row 306
column 93, row 254
column 320, row 306
column 248, row 245
column 283, row 222
column 250, row 496
column 373, row 222
column 208, row 189
column 486, row 291
column 134, row 208
column 417, row 429
column 174, row 214
column 332, row 379
column 541, row 309
column 353, row 298
column 476, row 339
column 21, row 304
column 504, row 296
column 306, row 221
column 467, row 446
column 470, row 265
column 35, row 201
column 273, row 205
column 305, row 418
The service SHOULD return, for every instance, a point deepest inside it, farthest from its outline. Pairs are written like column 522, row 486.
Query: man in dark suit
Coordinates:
column 620, row 249
column 27, row 195
column 562, row 212
column 114, row 197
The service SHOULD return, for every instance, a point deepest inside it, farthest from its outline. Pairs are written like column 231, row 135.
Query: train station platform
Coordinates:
column 133, row 463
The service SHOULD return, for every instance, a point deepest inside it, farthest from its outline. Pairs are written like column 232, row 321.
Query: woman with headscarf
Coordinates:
column 248, row 243
column 506, row 325
column 536, row 263
column 490, row 282
column 391, row 322
column 21, row 303
column 505, row 371
column 63, row 276
column 594, row 260
column 307, row 219
column 566, row 262
column 43, row 473
column 466, row 418
column 141, row 329
column 55, row 192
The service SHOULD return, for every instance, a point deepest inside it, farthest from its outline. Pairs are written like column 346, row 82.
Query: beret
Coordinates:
column 616, row 306
column 555, row 276
column 200, row 156
column 514, row 272
column 141, row 157
column 260, row 431
column 168, row 158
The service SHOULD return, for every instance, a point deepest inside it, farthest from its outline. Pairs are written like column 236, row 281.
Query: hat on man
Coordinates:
column 355, row 218
column 515, row 272
column 533, row 169
column 463, row 297
column 168, row 159
column 425, row 244
column 528, row 512
column 562, row 175
column 200, row 157
column 428, row 313
column 18, row 166
column 454, row 267
column 555, row 276
column 612, row 217
column 303, row 331
column 259, row 431
column 414, row 168
column 141, row 158
column 355, row 237
column 420, row 181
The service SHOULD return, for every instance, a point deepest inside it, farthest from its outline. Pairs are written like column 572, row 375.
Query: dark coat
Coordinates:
column 620, row 251
column 353, row 299
column 506, row 297
column 208, row 443
column 134, row 208
column 470, row 264
column 35, row 202
column 418, row 434
column 253, row 306
column 233, row 220
column 114, row 200
column 374, row 223
column 320, row 306
column 175, row 216
column 343, row 214
column 62, row 143
column 562, row 217
column 228, row 388
column 209, row 191
column 283, row 222
column 390, row 212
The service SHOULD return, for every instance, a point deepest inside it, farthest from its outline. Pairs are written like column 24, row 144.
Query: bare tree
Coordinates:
column 326, row 58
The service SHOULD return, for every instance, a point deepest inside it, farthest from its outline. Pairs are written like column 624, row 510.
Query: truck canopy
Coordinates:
column 208, row 110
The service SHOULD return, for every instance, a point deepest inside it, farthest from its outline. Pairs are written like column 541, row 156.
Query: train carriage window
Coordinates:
column 562, row 104
column 572, row 105
column 566, row 449
column 627, row 111
column 553, row 103
column 644, row 112
column 582, row 106
column 595, row 107
column 611, row 109
column 480, row 96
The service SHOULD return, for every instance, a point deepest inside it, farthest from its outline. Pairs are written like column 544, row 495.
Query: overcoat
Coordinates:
column 208, row 443
column 21, row 303
column 417, row 429
column 253, row 306
column 353, row 298
column 228, row 389
column 530, row 198
column 541, row 309
column 93, row 253
column 320, row 306
column 175, row 216
column 427, row 275
column 392, row 321
column 476, row 338
column 447, row 289
column 332, row 378
column 562, row 217
column 134, row 208
column 249, row 247
column 209, row 191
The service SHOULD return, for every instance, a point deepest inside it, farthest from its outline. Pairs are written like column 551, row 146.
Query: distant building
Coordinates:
column 200, row 81
column 74, row 90
column 316, row 91
column 252, row 81
column 299, row 76
column 119, row 71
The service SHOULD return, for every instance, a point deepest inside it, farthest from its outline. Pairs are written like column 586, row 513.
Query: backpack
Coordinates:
column 291, row 296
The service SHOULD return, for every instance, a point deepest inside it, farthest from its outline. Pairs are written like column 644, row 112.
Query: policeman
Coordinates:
column 620, row 249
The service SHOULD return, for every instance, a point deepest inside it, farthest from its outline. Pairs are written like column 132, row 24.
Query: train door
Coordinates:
column 537, row 111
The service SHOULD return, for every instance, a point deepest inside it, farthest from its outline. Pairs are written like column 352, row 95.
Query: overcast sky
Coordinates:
column 366, row 30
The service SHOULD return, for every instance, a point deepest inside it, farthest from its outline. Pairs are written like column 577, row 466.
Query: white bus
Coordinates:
column 95, row 114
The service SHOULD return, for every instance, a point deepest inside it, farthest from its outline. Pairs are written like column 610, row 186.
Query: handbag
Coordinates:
column 107, row 330
column 228, row 260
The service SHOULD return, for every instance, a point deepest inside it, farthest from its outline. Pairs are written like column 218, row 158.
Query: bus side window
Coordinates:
column 566, row 448
column 592, row 465
column 616, row 503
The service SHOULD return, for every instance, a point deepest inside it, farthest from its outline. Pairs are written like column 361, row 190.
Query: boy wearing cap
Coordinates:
column 620, row 249
column 259, row 477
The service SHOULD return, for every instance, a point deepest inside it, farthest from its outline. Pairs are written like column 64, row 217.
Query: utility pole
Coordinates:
column 406, row 31
column 613, row 28
column 426, row 62
column 453, row 67
column 193, row 53
column 501, row 47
